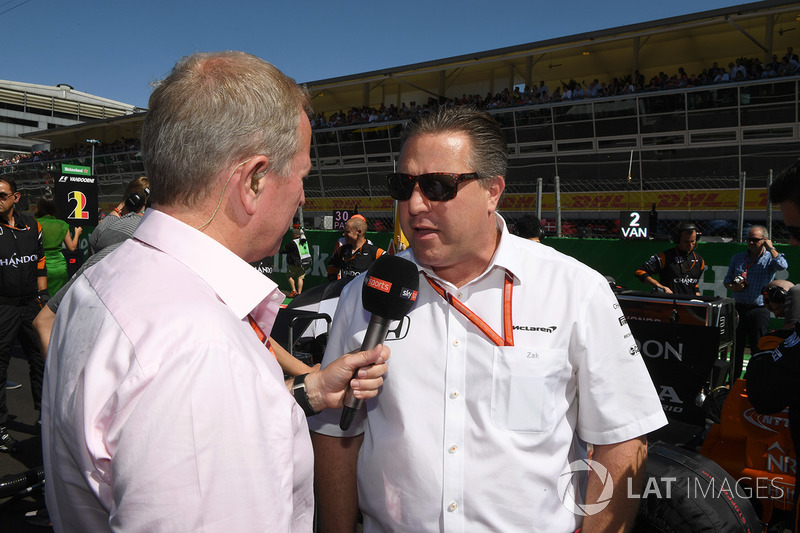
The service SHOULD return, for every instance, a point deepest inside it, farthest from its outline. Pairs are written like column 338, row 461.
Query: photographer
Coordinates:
column 748, row 273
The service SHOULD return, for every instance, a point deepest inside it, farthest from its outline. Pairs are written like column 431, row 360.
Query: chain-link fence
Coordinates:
column 723, row 207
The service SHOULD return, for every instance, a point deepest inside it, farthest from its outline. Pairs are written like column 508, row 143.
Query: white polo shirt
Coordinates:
column 468, row 436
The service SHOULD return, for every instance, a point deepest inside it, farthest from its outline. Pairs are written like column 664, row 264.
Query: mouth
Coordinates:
column 422, row 231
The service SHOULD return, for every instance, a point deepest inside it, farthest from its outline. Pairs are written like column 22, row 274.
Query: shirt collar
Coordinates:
column 506, row 256
column 235, row 282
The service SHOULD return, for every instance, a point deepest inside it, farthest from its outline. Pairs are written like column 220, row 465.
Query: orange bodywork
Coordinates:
column 756, row 450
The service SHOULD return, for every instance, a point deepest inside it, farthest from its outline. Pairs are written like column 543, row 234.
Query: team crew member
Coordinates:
column 175, row 417
column 356, row 255
column 772, row 379
column 124, row 219
column 748, row 273
column 23, row 291
column 679, row 269
column 482, row 405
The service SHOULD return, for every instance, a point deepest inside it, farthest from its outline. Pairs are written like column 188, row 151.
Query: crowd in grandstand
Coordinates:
column 75, row 152
column 740, row 70
column 743, row 69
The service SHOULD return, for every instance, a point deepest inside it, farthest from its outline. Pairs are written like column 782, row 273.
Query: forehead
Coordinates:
column 755, row 232
column 436, row 152
column 4, row 186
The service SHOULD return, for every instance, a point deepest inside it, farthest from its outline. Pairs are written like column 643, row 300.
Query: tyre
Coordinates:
column 685, row 492
column 13, row 484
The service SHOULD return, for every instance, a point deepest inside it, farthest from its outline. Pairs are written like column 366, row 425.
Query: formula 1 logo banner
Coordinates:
column 76, row 195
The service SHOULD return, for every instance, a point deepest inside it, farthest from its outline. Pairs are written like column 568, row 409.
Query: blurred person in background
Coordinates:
column 679, row 269
column 23, row 292
column 748, row 273
column 55, row 232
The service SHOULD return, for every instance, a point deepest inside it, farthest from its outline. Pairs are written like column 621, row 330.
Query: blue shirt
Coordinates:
column 759, row 274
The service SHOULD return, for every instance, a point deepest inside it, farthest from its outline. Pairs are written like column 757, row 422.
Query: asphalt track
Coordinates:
column 22, row 425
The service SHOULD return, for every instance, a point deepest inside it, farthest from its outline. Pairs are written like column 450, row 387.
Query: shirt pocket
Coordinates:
column 524, row 386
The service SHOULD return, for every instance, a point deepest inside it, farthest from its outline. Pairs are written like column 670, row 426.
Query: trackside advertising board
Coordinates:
column 76, row 195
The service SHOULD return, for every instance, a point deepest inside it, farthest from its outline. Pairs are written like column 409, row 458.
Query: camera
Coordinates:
column 740, row 280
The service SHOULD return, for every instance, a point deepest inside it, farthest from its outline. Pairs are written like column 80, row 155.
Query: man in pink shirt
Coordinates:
column 163, row 409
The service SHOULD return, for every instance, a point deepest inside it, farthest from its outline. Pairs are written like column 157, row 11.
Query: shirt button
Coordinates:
column 454, row 395
column 456, row 342
column 452, row 507
column 453, row 449
column 459, row 296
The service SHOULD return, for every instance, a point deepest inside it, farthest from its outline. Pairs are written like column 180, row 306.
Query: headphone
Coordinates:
column 137, row 200
column 686, row 226
column 774, row 293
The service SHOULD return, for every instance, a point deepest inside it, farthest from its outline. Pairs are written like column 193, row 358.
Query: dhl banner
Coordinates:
column 666, row 200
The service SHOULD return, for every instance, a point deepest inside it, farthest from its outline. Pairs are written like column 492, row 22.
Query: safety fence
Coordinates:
column 722, row 206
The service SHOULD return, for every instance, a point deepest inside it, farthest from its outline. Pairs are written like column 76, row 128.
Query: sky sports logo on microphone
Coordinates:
column 408, row 294
column 379, row 284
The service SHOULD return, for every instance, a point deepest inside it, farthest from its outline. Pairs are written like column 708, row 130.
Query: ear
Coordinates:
column 495, row 191
column 248, row 181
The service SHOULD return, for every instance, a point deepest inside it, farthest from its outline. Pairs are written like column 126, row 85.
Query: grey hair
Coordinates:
column 764, row 232
column 488, row 154
column 213, row 110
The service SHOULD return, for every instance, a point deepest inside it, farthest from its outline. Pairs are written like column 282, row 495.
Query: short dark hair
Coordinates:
column 787, row 186
column 46, row 205
column 528, row 227
column 11, row 183
column 488, row 151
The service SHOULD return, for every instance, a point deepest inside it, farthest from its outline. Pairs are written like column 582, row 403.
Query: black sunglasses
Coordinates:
column 754, row 239
column 436, row 186
column 794, row 231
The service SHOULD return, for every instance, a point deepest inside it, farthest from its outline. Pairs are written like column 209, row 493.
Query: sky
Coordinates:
column 117, row 50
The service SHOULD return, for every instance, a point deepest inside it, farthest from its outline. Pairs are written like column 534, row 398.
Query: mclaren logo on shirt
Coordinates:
column 547, row 329
column 13, row 261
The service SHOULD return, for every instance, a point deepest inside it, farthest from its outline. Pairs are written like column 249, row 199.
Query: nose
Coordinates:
column 418, row 202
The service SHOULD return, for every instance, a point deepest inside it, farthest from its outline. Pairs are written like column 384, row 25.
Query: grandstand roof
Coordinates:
column 692, row 41
column 106, row 131
column 65, row 92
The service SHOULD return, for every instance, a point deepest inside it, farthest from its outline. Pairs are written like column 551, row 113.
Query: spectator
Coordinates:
column 748, row 273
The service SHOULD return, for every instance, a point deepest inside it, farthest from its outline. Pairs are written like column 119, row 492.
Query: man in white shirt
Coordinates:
column 513, row 358
column 163, row 408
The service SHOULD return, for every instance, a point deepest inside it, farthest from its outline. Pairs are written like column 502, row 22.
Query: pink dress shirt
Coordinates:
column 162, row 411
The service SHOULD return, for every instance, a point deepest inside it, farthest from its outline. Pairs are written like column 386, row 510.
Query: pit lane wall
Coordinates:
column 611, row 257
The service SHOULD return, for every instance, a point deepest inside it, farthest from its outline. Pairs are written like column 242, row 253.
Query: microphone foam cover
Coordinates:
column 390, row 287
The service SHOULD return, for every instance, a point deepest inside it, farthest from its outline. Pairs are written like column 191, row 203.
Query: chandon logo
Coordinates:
column 549, row 329
column 14, row 260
